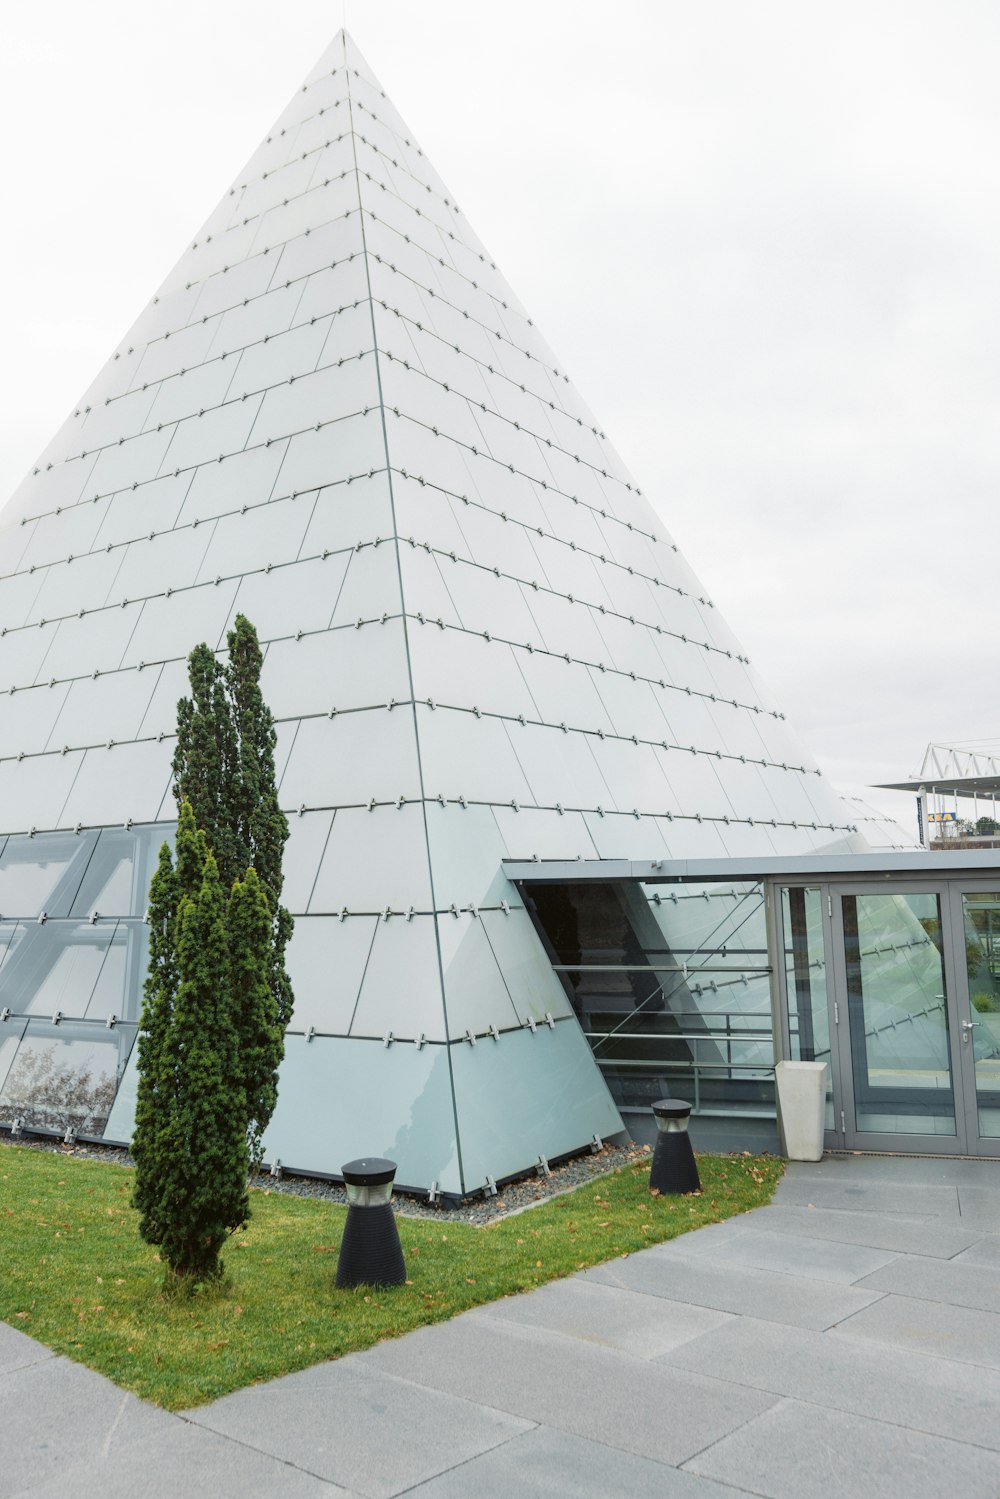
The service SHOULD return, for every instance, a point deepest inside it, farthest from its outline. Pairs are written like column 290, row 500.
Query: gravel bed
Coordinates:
column 515, row 1197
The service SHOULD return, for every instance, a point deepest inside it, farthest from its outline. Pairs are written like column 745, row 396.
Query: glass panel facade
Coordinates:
column 526, row 1088
column 65, row 1077
column 900, row 1051
column 393, row 1101
column 43, row 873
column 982, row 957
column 806, row 982
column 672, row 989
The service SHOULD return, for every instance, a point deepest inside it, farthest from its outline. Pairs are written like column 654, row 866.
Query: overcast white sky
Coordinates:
column 763, row 238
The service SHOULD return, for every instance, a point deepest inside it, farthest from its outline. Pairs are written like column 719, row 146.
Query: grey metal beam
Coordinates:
column 900, row 863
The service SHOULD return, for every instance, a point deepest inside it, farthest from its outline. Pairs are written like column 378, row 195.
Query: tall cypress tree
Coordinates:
column 206, row 762
column 190, row 1144
column 262, row 828
column 224, row 766
column 256, row 1023
column 155, row 1088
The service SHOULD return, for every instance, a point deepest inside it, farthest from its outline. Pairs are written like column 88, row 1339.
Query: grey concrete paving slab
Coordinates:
column 900, row 1170
column 184, row 1460
column 980, row 1207
column 936, row 1327
column 985, row 1251
column 933, row 1280
column 597, row 1393
column 721, row 1233
column 57, row 1414
column 357, row 1425
column 703, row 1281
column 556, row 1465
column 939, row 1202
column 929, row 1394
column 641, row 1325
column 737, row 1359
column 798, row 1451
column 17, row 1350
column 926, row 1236
column 790, row 1254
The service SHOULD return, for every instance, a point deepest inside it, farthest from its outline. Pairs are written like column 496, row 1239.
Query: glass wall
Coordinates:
column 73, row 956
column 64, row 1077
column 806, row 982
column 671, row 986
column 898, row 1007
column 981, row 912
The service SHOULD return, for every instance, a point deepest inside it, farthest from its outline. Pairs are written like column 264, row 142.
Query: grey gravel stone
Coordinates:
column 515, row 1197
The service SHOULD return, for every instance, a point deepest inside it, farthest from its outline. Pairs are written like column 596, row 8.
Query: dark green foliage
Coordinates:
column 261, row 826
column 224, row 766
column 206, row 761
column 217, row 997
column 256, row 1021
column 190, row 1144
column 160, row 991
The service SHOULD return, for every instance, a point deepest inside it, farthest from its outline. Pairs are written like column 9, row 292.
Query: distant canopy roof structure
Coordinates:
column 336, row 418
column 948, row 770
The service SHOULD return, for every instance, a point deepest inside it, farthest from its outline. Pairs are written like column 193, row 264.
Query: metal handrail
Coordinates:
column 684, row 968
column 660, row 988
column 696, row 1069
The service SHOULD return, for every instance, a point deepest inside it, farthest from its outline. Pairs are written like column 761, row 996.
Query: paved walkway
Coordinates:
column 843, row 1341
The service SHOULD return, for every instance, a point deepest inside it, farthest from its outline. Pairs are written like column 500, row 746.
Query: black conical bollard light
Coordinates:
column 674, row 1168
column 370, row 1251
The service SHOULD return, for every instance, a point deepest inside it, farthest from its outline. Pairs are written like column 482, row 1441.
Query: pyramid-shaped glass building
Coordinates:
column 336, row 418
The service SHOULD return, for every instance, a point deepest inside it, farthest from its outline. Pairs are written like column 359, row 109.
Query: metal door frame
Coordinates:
column 896, row 1142
column 845, row 1134
column 985, row 1145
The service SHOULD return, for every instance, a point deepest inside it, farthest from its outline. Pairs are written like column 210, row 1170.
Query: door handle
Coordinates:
column 967, row 1027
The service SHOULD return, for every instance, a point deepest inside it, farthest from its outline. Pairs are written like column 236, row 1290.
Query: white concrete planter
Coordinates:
column 802, row 1102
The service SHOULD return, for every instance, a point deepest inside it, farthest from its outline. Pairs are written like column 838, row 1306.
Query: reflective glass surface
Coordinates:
column 44, row 873
column 401, row 988
column 805, row 982
column 54, row 968
column 982, row 956
column 326, row 962
column 534, row 988
column 118, row 871
column 393, row 1101
column 243, row 429
column 63, row 1077
column 375, row 860
column 672, row 991
column 900, row 1050
column 475, row 991
column 527, row 1087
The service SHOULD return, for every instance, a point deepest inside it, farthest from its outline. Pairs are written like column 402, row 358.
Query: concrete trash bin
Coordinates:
column 802, row 1104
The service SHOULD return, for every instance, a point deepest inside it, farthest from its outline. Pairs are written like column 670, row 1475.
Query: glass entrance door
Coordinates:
column 896, row 986
column 900, row 1021
column 976, row 918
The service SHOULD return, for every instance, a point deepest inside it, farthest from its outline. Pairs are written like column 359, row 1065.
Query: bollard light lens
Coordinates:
column 366, row 1195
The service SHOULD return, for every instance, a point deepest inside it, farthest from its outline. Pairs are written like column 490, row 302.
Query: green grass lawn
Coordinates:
column 77, row 1277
